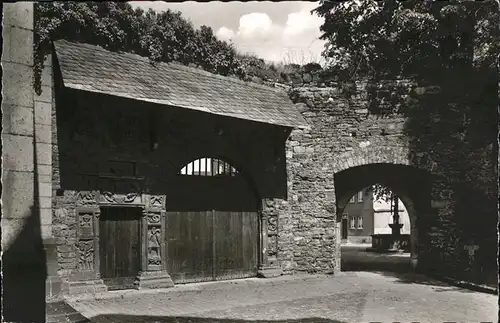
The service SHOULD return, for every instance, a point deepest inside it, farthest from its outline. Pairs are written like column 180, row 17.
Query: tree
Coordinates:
column 381, row 192
column 116, row 26
column 381, row 38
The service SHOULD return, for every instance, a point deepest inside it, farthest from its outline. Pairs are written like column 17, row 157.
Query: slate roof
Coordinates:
column 92, row 68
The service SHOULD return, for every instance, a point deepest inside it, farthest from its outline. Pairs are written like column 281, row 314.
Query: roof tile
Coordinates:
column 92, row 68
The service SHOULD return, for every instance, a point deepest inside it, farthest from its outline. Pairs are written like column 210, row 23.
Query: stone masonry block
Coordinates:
column 44, row 170
column 17, row 153
column 17, row 84
column 46, row 230
column 44, row 178
column 46, row 95
column 45, row 202
column 6, row 35
column 17, row 120
column 43, row 113
column 20, row 47
column 45, row 216
column 44, row 154
column 45, row 189
column 47, row 72
column 17, row 201
column 43, row 133
column 18, row 14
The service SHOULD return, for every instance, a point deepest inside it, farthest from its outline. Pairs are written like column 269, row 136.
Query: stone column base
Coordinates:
column 414, row 264
column 269, row 271
column 54, row 286
column 54, row 289
column 153, row 279
column 93, row 286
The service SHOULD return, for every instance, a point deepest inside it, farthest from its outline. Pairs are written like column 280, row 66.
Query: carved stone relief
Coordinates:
column 154, row 218
column 86, row 254
column 86, row 224
column 86, row 198
column 272, row 246
column 130, row 198
column 272, row 224
column 156, row 201
column 86, row 237
column 154, row 245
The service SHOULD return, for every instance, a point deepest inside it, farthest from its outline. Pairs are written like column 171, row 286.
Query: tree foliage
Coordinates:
column 382, row 192
column 387, row 38
column 116, row 26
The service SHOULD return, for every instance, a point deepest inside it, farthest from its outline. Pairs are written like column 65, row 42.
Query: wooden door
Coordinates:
column 211, row 228
column 120, row 246
column 235, row 244
column 189, row 244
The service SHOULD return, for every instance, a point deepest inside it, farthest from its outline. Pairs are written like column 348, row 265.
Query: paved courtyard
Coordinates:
column 346, row 297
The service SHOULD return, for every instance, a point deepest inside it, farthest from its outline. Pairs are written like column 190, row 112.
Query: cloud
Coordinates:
column 276, row 31
column 225, row 34
column 255, row 25
column 295, row 41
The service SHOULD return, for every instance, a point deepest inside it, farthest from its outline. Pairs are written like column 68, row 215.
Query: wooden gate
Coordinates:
column 120, row 245
column 212, row 230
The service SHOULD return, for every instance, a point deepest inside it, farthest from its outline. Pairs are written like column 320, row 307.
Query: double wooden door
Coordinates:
column 211, row 245
column 120, row 246
column 212, row 230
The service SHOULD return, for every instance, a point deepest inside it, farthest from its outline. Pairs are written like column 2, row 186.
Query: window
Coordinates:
column 352, row 199
column 353, row 223
column 360, row 222
column 208, row 167
column 360, row 196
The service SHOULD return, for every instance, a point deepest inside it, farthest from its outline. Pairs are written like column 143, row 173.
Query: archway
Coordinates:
column 410, row 184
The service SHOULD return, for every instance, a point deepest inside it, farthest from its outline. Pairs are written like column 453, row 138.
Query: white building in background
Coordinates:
column 364, row 216
column 382, row 217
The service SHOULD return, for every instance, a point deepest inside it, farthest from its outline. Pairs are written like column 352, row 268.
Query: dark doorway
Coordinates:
column 344, row 228
column 120, row 246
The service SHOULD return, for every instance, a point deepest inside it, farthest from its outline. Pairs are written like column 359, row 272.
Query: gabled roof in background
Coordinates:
column 92, row 68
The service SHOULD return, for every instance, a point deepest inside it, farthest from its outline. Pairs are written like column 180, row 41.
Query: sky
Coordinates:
column 283, row 32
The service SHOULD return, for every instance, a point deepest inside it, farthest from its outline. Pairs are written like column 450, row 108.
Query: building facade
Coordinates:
column 365, row 215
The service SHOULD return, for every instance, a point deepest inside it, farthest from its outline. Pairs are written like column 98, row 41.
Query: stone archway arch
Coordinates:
column 372, row 153
column 403, row 179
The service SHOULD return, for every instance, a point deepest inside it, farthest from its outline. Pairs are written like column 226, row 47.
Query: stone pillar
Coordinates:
column 18, row 163
column 29, row 259
column 154, row 268
column 269, row 266
column 85, row 277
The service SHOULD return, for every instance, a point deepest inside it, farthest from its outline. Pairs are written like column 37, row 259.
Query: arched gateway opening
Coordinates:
column 212, row 223
column 412, row 188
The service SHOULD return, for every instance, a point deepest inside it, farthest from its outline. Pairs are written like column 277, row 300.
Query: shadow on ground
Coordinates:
column 24, row 273
column 420, row 279
column 356, row 258
column 186, row 319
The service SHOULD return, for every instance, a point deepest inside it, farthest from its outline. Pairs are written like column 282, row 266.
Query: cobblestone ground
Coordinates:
column 346, row 297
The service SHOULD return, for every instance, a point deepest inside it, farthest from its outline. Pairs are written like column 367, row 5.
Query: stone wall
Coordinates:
column 342, row 134
column 358, row 124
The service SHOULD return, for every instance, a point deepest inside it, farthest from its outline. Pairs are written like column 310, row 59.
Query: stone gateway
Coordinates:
column 126, row 174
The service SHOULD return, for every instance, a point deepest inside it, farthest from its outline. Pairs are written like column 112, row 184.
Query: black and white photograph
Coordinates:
column 249, row 162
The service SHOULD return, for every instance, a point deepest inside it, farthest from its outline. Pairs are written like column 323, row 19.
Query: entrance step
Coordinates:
column 86, row 287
